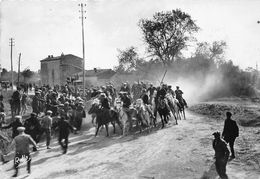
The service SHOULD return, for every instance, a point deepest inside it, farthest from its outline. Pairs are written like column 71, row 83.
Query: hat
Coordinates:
column 18, row 117
column 33, row 114
column 49, row 112
column 216, row 134
column 21, row 129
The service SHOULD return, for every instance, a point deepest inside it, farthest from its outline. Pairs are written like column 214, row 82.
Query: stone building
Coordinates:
column 55, row 70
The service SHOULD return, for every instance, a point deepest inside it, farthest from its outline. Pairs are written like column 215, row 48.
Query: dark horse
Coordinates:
column 163, row 111
column 104, row 117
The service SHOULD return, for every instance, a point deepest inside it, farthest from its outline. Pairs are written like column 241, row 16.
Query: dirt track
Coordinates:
column 178, row 151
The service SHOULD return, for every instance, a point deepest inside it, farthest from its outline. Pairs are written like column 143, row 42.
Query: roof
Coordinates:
column 100, row 73
column 62, row 56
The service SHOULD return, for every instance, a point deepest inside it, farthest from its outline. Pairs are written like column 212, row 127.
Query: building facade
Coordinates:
column 55, row 70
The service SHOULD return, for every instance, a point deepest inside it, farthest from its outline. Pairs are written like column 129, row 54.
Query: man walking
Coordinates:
column 22, row 142
column 221, row 155
column 46, row 127
column 230, row 132
column 64, row 131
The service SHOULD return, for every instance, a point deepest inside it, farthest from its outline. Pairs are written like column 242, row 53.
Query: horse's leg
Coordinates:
column 97, row 129
column 107, row 129
column 162, row 120
column 184, row 113
column 114, row 126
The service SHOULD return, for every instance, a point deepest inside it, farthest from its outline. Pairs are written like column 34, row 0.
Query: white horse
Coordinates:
column 174, row 106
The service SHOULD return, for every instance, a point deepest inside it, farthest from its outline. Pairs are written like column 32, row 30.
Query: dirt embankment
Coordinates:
column 245, row 112
column 247, row 115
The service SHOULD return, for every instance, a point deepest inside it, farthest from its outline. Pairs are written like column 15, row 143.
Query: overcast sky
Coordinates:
column 50, row 27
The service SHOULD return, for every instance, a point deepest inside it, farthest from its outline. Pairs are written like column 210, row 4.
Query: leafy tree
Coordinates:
column 214, row 51
column 129, row 60
column 168, row 33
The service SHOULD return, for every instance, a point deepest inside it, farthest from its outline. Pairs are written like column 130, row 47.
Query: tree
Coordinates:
column 214, row 51
column 129, row 60
column 168, row 33
column 27, row 73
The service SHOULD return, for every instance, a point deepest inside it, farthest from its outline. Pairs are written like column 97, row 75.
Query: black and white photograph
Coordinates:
column 130, row 89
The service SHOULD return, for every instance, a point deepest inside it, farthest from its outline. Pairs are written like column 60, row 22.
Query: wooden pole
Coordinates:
column 83, row 46
column 11, row 55
column 19, row 65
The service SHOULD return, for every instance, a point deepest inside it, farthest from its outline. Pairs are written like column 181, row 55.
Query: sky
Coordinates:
column 51, row 27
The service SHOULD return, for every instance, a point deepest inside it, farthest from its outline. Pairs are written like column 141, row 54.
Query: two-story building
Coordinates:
column 55, row 70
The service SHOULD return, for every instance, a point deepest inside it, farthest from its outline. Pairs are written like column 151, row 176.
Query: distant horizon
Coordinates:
column 42, row 28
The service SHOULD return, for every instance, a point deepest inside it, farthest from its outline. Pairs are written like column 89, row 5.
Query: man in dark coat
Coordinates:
column 16, row 101
column 33, row 128
column 221, row 155
column 64, row 130
column 230, row 132
column 14, row 125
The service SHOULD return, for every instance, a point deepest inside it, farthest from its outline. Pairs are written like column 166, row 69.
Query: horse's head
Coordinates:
column 94, row 107
column 161, row 102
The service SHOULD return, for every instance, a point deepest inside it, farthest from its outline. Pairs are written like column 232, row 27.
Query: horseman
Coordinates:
column 125, row 88
column 161, row 95
column 145, row 100
column 151, row 91
column 179, row 97
column 125, row 98
column 170, row 91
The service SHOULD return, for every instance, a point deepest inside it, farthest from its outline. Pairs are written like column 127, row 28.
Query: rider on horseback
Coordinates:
column 179, row 97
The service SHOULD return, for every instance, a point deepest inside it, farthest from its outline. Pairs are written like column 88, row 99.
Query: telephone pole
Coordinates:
column 12, row 76
column 83, row 43
column 19, row 64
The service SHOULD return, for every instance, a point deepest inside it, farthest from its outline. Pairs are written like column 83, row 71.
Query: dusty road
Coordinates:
column 178, row 151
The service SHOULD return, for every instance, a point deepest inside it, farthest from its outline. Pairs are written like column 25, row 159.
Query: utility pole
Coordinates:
column 12, row 76
column 83, row 43
column 19, row 64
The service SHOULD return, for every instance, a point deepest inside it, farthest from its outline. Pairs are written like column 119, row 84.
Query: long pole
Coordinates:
column 83, row 45
column 19, row 64
column 11, row 55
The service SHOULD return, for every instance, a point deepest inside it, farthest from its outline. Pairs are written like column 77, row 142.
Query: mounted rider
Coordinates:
column 179, row 97
column 145, row 100
column 161, row 95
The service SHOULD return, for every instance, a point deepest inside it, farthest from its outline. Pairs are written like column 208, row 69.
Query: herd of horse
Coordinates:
column 137, row 115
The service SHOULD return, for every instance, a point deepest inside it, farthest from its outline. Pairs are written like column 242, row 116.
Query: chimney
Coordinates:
column 95, row 70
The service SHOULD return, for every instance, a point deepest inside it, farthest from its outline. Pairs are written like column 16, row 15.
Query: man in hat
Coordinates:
column 64, row 130
column 79, row 115
column 221, row 155
column 16, row 101
column 179, row 97
column 46, row 123
column 33, row 128
column 21, row 143
column 36, row 102
column 230, row 132
column 14, row 125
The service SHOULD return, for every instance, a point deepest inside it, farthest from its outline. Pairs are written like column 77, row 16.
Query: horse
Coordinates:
column 104, row 117
column 174, row 106
column 182, row 106
column 163, row 111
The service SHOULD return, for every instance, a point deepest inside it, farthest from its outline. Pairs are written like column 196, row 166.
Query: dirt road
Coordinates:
column 178, row 151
